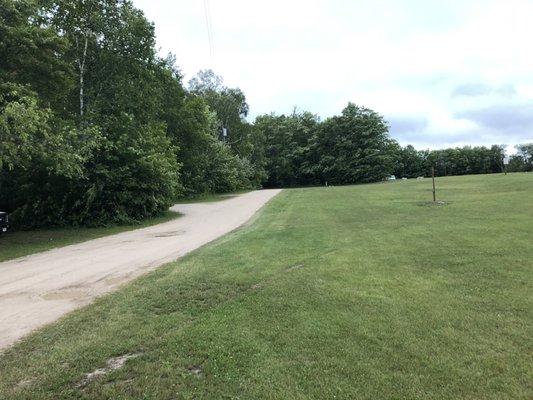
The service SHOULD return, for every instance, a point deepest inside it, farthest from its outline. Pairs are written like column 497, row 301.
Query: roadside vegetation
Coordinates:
column 97, row 128
column 23, row 243
column 367, row 292
column 211, row 197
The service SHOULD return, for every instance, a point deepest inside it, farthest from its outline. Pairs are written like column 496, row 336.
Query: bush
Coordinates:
column 55, row 174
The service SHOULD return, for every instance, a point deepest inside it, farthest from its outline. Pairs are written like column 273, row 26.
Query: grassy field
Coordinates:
column 361, row 292
column 22, row 243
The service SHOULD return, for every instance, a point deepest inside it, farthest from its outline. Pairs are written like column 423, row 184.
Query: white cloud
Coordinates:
column 403, row 58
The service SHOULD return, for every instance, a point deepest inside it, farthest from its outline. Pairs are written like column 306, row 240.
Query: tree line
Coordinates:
column 96, row 128
column 355, row 148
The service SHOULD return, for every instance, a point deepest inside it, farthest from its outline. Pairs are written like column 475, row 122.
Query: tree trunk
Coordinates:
column 81, row 66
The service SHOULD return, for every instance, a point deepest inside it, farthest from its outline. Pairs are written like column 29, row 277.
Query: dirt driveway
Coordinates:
column 38, row 289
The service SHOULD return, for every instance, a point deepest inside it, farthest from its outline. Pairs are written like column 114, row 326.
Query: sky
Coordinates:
column 442, row 73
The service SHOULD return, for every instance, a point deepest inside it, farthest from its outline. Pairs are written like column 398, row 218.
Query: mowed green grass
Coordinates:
column 22, row 243
column 361, row 292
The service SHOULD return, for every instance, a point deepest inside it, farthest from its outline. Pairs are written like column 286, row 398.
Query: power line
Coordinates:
column 211, row 28
column 207, row 12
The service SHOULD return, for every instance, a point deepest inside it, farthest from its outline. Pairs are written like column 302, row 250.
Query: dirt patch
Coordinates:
column 112, row 365
column 256, row 286
column 66, row 295
column 169, row 234
column 294, row 267
column 196, row 370
column 433, row 203
column 117, row 280
column 25, row 384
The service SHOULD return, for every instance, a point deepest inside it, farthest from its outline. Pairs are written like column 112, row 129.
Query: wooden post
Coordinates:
column 433, row 179
column 506, row 160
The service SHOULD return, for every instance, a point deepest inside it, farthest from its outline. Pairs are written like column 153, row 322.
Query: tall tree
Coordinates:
column 287, row 140
column 354, row 147
column 231, row 110
column 230, row 107
column 522, row 161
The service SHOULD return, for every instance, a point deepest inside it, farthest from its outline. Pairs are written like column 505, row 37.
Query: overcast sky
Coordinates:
column 443, row 73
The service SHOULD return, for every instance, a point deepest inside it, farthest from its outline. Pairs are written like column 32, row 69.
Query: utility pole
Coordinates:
column 433, row 179
column 506, row 160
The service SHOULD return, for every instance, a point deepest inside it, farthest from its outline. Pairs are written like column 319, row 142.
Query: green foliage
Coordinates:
column 21, row 124
column 104, row 155
column 225, row 171
column 351, row 148
column 457, row 161
column 287, row 140
column 522, row 161
column 209, row 165
column 40, row 159
column 133, row 176
column 354, row 147
column 33, row 53
column 231, row 108
column 411, row 163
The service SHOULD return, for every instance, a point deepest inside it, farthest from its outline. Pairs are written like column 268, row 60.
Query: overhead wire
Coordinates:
column 207, row 13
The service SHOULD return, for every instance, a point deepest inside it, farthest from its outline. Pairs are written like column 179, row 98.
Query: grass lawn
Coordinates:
column 361, row 292
column 22, row 243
